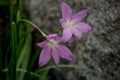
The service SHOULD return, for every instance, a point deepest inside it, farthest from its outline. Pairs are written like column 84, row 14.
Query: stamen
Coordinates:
column 69, row 24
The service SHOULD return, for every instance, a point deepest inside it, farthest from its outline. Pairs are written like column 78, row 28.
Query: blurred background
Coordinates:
column 97, row 54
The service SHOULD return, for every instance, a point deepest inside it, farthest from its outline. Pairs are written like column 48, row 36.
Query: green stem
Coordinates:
column 0, row 60
column 23, row 71
column 26, row 21
column 20, row 5
column 11, row 74
column 11, row 69
column 44, row 75
column 24, row 57
column 76, row 67
column 12, row 64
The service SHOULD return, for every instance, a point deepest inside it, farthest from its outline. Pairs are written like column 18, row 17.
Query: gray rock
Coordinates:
column 99, row 50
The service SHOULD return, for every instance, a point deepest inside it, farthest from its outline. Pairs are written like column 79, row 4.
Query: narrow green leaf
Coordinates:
column 12, row 65
column 33, row 60
column 0, row 60
column 24, row 57
column 23, row 71
column 4, row 2
column 76, row 67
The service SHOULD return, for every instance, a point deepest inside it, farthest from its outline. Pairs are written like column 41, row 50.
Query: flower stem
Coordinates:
column 23, row 71
column 26, row 21
column 75, row 67
column 0, row 59
column 11, row 74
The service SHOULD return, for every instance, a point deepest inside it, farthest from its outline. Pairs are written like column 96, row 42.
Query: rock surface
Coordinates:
column 99, row 50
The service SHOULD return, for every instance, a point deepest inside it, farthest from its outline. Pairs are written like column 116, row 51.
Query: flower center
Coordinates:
column 52, row 44
column 69, row 24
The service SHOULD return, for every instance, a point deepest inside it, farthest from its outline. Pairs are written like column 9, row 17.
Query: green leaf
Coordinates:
column 76, row 67
column 0, row 58
column 24, row 57
column 4, row 2
column 12, row 64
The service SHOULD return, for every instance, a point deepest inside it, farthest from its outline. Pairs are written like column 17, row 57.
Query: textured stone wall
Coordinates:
column 99, row 50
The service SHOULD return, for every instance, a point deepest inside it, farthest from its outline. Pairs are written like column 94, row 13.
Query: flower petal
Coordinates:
column 66, row 34
column 65, row 53
column 59, row 39
column 42, row 44
column 55, row 55
column 66, row 11
column 51, row 36
column 62, row 22
column 77, row 33
column 70, row 40
column 83, row 27
column 44, row 56
column 79, row 16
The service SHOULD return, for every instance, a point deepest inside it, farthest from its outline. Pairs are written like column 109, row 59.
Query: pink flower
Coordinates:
column 72, row 23
column 52, row 48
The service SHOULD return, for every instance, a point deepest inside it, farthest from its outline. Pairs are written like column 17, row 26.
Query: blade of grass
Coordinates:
column 4, row 2
column 23, row 71
column 12, row 65
column 24, row 57
column 0, row 61
column 33, row 60
column 6, row 50
column 18, row 17
column 44, row 75
column 75, row 67
column 11, row 74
